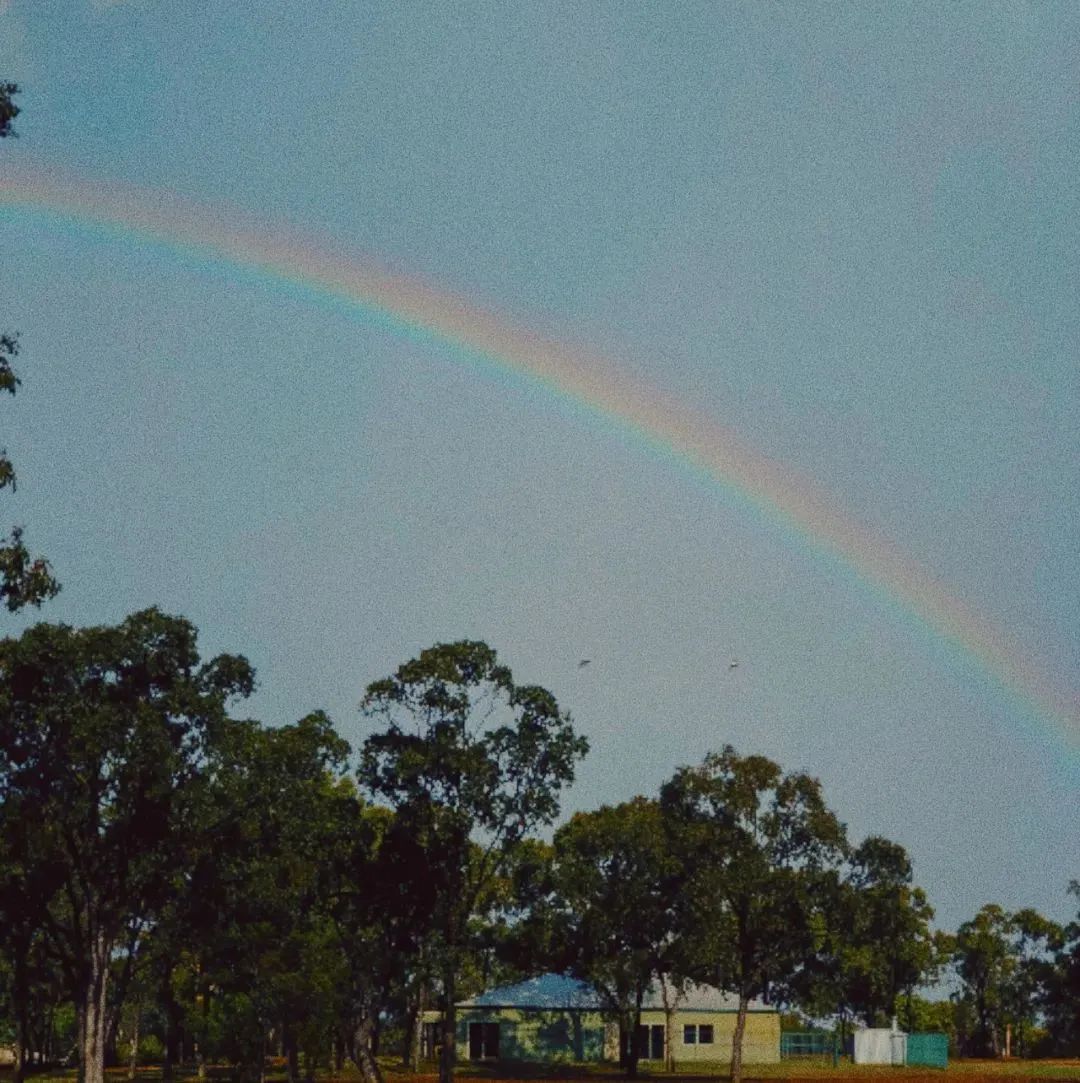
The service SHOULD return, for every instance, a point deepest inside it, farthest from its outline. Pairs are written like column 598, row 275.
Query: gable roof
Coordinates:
column 563, row 991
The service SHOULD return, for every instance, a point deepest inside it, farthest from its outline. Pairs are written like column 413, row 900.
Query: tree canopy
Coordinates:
column 471, row 762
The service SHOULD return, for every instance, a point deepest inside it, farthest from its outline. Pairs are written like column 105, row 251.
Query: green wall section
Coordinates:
column 568, row 1035
column 548, row 1034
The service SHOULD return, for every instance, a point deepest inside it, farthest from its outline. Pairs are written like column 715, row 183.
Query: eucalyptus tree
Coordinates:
column 1006, row 965
column 985, row 963
column 1034, row 942
column 614, row 907
column 889, row 947
column 379, row 902
column 1061, row 994
column 102, row 732
column 250, row 919
column 762, row 845
column 471, row 763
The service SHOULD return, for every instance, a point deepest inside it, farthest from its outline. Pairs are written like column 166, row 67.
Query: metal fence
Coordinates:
column 807, row 1043
column 928, row 1049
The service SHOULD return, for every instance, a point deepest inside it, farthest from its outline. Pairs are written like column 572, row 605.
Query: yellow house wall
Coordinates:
column 761, row 1038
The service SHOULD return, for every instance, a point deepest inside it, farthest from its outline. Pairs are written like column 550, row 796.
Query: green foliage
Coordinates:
column 103, row 732
column 470, row 763
column 24, row 579
column 763, row 849
column 915, row 1014
column 615, row 880
column 1007, row 967
column 226, row 881
column 8, row 109
column 880, row 933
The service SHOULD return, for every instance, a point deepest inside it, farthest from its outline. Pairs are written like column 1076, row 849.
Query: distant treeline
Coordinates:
column 181, row 885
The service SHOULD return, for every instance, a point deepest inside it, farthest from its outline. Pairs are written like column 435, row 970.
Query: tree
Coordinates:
column 102, row 731
column 471, row 763
column 985, row 963
column 887, row 944
column 245, row 925
column 762, row 844
column 24, row 580
column 615, row 885
column 1061, row 994
column 1033, row 942
column 8, row 109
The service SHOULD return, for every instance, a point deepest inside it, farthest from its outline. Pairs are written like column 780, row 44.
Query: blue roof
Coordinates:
column 545, row 991
column 562, row 991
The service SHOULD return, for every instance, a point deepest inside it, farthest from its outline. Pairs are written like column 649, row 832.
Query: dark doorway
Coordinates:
column 650, row 1042
column 483, row 1041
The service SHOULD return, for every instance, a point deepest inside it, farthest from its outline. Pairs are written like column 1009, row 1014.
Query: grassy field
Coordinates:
column 963, row 1071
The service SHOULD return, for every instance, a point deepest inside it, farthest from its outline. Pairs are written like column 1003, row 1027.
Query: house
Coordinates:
column 557, row 1018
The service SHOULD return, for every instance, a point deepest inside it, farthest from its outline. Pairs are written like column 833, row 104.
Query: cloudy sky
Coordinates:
column 846, row 233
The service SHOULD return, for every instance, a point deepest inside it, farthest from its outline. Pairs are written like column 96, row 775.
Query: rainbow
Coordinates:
column 414, row 307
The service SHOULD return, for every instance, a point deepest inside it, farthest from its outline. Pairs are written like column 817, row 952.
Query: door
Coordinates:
column 657, row 1035
column 483, row 1041
column 650, row 1042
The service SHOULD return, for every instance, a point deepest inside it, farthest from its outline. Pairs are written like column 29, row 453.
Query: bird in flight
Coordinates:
column 584, row 662
column 733, row 664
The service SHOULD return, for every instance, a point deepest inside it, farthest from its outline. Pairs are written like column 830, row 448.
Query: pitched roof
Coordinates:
column 563, row 991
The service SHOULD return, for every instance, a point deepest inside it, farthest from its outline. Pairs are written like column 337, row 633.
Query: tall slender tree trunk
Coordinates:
column 292, row 1054
column 133, row 1062
column 668, row 996
column 166, row 994
column 92, row 1019
column 411, row 1059
column 633, row 1053
column 362, row 1047
column 22, row 1013
column 737, row 1038
column 448, row 1054
column 204, row 1027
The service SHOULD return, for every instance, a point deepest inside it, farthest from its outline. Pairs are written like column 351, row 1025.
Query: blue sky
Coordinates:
column 848, row 232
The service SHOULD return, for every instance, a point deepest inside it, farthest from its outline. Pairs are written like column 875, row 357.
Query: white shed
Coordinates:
column 880, row 1045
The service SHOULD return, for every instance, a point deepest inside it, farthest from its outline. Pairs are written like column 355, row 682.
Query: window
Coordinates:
column 704, row 1036
column 697, row 1034
column 689, row 1034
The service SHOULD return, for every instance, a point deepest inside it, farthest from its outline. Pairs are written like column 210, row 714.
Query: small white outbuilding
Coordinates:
column 880, row 1045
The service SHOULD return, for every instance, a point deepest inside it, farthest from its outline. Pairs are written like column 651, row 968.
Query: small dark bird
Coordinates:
column 584, row 662
column 734, row 664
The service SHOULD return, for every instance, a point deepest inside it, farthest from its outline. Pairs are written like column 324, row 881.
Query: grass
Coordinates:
column 788, row 1071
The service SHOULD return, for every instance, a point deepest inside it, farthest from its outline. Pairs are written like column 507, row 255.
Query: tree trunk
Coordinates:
column 361, row 1048
column 411, row 1058
column 204, row 1029
column 737, row 1038
column 92, row 1019
column 22, row 1016
column 18, row 1068
column 633, row 1054
column 133, row 1063
column 448, row 1056
column 166, row 993
column 668, row 996
column 292, row 1054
